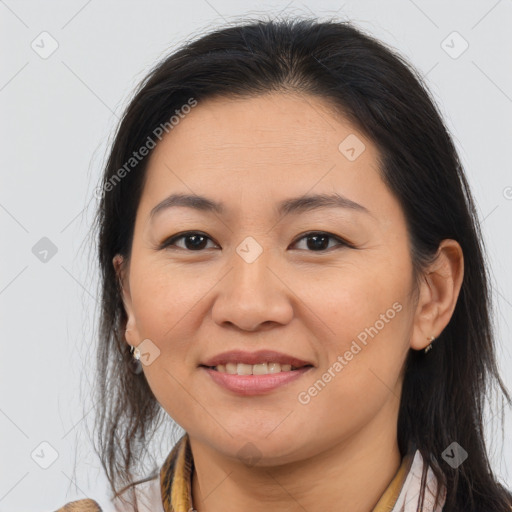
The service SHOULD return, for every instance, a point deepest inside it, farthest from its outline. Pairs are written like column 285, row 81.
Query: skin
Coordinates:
column 339, row 451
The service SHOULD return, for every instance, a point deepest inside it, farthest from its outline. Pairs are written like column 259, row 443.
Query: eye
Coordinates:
column 194, row 241
column 319, row 240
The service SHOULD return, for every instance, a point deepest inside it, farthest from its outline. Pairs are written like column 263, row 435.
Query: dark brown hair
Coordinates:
column 444, row 392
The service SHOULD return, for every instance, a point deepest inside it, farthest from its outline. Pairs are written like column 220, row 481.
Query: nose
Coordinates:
column 253, row 296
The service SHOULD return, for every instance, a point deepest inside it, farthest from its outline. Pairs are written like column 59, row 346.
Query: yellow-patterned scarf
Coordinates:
column 172, row 491
column 401, row 495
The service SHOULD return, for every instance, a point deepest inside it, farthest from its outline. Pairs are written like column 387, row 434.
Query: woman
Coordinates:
column 293, row 269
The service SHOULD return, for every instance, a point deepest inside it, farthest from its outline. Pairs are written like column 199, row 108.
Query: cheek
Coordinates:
column 362, row 354
column 168, row 311
column 357, row 303
column 364, row 337
column 164, row 301
column 344, row 403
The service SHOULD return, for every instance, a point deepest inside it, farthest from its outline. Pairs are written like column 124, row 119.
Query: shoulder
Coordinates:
column 147, row 494
column 86, row 505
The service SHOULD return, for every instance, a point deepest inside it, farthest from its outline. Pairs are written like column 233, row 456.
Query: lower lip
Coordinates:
column 255, row 384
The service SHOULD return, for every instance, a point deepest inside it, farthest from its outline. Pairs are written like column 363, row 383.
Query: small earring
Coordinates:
column 429, row 347
column 135, row 364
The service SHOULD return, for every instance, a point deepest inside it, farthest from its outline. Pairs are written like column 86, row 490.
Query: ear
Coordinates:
column 122, row 271
column 438, row 294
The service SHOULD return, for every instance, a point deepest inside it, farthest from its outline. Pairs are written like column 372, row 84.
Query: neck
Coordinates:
column 350, row 476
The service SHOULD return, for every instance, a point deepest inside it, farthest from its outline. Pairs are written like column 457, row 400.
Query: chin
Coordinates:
column 255, row 449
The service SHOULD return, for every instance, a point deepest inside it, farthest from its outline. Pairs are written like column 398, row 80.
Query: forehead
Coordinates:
column 262, row 148
column 274, row 127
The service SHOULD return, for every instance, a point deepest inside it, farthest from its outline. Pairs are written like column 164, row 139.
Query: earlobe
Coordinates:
column 439, row 291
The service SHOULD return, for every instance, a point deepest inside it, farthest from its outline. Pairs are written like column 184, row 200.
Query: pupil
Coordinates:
column 315, row 245
column 198, row 241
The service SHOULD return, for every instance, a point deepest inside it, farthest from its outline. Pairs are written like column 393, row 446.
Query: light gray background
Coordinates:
column 57, row 115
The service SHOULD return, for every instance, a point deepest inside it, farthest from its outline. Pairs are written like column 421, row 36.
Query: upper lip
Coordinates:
column 258, row 357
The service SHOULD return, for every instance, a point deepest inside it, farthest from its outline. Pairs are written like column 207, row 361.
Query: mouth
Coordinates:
column 251, row 384
column 254, row 373
column 255, row 369
column 262, row 362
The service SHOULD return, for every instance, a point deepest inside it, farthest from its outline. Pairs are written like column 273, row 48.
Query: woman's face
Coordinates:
column 258, row 281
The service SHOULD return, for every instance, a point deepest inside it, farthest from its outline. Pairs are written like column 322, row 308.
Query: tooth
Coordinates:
column 231, row 368
column 244, row 369
column 256, row 369
column 260, row 369
column 274, row 367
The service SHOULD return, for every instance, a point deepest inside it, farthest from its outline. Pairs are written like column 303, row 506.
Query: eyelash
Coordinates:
column 166, row 244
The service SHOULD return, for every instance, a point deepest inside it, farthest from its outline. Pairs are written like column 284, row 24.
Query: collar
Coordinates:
column 177, row 470
column 176, row 477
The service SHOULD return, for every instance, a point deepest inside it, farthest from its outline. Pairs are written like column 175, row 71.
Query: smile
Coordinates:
column 254, row 369
column 254, row 383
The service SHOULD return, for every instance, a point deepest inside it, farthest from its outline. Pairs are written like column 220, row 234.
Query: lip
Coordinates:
column 254, row 384
column 258, row 357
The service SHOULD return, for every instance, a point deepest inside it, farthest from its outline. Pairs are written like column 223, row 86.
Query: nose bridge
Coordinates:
column 252, row 294
column 251, row 261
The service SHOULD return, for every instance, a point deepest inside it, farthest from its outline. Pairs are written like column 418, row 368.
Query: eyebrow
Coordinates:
column 295, row 205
